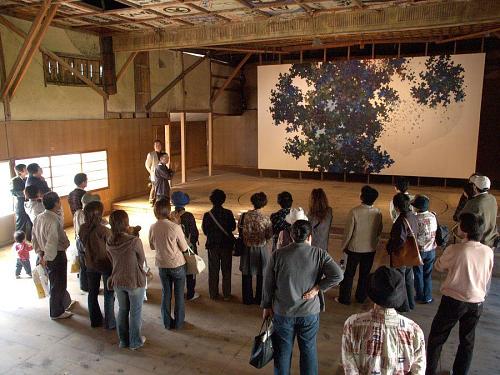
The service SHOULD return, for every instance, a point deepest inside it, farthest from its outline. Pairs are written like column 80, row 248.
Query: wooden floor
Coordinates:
column 218, row 336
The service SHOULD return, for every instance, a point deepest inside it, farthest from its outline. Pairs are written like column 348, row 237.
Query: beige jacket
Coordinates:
column 362, row 230
column 151, row 163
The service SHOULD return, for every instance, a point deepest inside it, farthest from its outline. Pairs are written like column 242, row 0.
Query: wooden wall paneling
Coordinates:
column 142, row 82
column 196, row 144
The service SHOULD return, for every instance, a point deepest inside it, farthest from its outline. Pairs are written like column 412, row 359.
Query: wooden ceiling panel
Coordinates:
column 176, row 10
column 136, row 14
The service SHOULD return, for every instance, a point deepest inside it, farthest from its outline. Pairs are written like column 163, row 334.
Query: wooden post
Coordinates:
column 373, row 50
column 345, row 177
column 210, row 143
column 324, row 54
column 300, row 175
column 3, row 77
column 260, row 173
column 368, row 179
column 322, row 177
column 301, row 56
column 399, row 50
column 279, row 174
column 482, row 44
column 455, row 47
column 348, row 52
column 445, row 182
column 183, row 147
column 418, row 181
column 426, row 48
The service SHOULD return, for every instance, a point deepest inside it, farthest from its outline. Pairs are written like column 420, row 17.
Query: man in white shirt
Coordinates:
column 152, row 160
column 50, row 242
column 361, row 236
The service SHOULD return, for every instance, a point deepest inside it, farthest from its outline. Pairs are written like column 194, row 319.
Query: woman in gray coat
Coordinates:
column 321, row 217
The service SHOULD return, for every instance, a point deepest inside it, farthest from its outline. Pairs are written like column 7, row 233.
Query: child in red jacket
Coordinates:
column 22, row 249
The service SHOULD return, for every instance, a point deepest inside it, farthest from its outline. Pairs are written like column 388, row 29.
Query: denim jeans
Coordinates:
column 129, row 320
column 20, row 264
column 82, row 274
column 285, row 331
column 176, row 278
column 409, row 304
column 423, row 276
column 94, row 283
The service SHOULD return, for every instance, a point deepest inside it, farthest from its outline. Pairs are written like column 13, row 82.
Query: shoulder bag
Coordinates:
column 408, row 255
column 194, row 263
column 262, row 350
column 442, row 233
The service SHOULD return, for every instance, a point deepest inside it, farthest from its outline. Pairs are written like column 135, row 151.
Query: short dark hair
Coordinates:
column 50, row 199
column 258, row 200
column 33, row 168
column 217, row 197
column 301, row 230
column 80, row 178
column 32, row 191
column 162, row 154
column 402, row 184
column 20, row 167
column 162, row 209
column 473, row 225
column 368, row 195
column 402, row 202
column 19, row 236
column 285, row 199
column 157, row 141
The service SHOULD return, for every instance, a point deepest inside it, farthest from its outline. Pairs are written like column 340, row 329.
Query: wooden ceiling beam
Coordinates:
column 34, row 47
column 469, row 36
column 425, row 16
column 358, row 3
column 53, row 56
column 25, row 48
column 230, row 78
column 251, row 6
column 123, row 69
column 245, row 50
column 174, row 82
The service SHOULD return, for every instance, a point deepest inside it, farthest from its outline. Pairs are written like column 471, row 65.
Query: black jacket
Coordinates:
column 215, row 237
column 400, row 231
column 18, row 192
column 162, row 176
column 42, row 184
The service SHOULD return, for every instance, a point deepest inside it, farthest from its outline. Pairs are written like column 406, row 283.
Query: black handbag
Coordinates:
column 262, row 351
column 239, row 244
column 442, row 233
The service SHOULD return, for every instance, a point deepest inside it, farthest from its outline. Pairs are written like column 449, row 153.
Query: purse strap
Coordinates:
column 409, row 227
column 218, row 224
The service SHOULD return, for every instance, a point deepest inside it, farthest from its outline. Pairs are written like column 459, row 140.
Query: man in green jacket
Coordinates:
column 483, row 204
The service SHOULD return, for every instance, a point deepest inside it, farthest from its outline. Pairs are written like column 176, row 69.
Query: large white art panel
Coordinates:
column 411, row 116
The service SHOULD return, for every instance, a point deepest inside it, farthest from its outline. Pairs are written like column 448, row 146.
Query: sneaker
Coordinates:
column 425, row 302
column 195, row 296
column 71, row 305
column 64, row 315
column 143, row 339
column 18, row 277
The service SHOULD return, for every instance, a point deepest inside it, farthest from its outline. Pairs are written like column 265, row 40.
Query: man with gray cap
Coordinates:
column 381, row 341
column 484, row 205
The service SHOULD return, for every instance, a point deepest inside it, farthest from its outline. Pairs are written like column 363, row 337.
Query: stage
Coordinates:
column 342, row 195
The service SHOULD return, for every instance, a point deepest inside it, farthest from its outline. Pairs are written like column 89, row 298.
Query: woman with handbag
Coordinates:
column 402, row 246
column 321, row 216
column 93, row 236
column 128, row 279
column 218, row 225
column 167, row 239
column 257, row 231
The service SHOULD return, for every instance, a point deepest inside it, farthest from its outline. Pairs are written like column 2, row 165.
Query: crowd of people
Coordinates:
column 284, row 255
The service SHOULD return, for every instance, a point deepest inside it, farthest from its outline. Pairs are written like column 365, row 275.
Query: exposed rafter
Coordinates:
column 174, row 82
column 126, row 64
column 230, row 78
column 53, row 56
column 434, row 18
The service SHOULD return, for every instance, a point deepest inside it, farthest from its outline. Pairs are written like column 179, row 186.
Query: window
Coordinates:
column 6, row 200
column 58, row 75
column 59, row 170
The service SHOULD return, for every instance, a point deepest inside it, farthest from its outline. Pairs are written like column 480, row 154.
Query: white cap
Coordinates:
column 481, row 182
column 295, row 214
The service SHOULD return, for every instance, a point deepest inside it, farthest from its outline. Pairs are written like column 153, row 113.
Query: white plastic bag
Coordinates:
column 41, row 280
column 74, row 260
